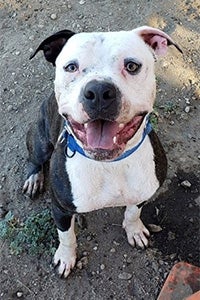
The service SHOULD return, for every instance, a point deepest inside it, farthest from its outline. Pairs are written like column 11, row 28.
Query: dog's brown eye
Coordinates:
column 131, row 66
column 71, row 68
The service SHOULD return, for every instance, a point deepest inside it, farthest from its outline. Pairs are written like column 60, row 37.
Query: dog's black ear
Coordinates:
column 53, row 45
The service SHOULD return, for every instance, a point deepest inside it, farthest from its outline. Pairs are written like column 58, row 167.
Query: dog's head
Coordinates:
column 105, row 84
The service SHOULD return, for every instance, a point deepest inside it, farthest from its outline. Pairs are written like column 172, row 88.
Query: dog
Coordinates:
column 95, row 130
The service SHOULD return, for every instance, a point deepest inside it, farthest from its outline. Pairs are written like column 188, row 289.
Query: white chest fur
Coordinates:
column 104, row 184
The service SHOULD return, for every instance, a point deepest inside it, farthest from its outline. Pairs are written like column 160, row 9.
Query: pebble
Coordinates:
column 102, row 267
column 171, row 236
column 154, row 228
column 187, row 101
column 172, row 256
column 186, row 184
column 82, row 262
column 19, row 294
column 197, row 201
column 187, row 109
column 112, row 250
column 81, row 2
column 88, row 238
column 125, row 276
column 3, row 178
column 17, row 53
column 53, row 16
column 9, row 108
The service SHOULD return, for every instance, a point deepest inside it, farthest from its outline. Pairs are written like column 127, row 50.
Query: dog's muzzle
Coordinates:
column 101, row 136
column 101, row 100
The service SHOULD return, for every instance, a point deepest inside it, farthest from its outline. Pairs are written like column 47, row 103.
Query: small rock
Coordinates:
column 9, row 108
column 125, row 276
column 3, row 178
column 102, row 267
column 19, row 294
column 95, row 248
column 197, row 201
column 186, row 184
column 89, row 238
column 82, row 262
column 154, row 228
column 17, row 53
column 171, row 236
column 116, row 243
column 187, row 101
column 129, row 260
column 53, row 16
column 187, row 109
column 112, row 250
column 172, row 256
column 82, row 2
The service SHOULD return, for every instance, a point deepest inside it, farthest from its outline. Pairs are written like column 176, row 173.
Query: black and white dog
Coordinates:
column 95, row 130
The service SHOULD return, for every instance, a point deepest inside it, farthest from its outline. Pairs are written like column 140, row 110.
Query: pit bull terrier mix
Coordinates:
column 95, row 130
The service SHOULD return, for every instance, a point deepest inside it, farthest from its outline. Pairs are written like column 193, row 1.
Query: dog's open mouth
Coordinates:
column 105, row 140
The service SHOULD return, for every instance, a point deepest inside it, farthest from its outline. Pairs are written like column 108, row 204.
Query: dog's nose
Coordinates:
column 100, row 93
column 101, row 99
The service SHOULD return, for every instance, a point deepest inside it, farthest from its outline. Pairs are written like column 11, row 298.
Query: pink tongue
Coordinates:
column 100, row 134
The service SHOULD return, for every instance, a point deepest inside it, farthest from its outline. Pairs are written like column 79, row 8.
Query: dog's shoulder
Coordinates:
column 51, row 120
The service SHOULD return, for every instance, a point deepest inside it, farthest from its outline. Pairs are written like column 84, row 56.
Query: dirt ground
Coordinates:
column 112, row 270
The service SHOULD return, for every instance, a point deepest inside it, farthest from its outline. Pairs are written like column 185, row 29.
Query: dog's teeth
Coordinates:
column 85, row 125
column 114, row 139
column 121, row 125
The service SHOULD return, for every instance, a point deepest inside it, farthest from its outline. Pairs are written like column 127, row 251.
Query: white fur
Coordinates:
column 65, row 256
column 136, row 232
column 102, row 56
column 107, row 184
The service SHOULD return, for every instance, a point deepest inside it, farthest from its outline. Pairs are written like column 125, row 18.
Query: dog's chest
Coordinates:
column 96, row 185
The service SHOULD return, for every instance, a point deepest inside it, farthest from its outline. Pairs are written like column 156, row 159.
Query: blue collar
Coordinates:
column 74, row 147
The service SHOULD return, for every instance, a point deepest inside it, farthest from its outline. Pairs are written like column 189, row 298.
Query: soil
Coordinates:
column 111, row 269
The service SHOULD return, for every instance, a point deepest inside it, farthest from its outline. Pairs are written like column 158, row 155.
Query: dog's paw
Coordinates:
column 137, row 233
column 34, row 184
column 64, row 260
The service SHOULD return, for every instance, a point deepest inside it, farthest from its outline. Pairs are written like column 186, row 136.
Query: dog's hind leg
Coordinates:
column 137, row 233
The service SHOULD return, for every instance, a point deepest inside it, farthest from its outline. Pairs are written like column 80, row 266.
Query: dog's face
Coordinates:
column 105, row 87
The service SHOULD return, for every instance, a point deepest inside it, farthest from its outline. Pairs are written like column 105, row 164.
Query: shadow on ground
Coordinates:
column 177, row 212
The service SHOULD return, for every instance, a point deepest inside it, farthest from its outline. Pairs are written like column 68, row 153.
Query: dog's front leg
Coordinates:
column 137, row 233
column 65, row 256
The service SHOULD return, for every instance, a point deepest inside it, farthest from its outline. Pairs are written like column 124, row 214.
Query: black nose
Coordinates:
column 101, row 99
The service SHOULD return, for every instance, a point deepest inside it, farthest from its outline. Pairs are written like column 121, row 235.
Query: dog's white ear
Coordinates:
column 53, row 45
column 156, row 39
